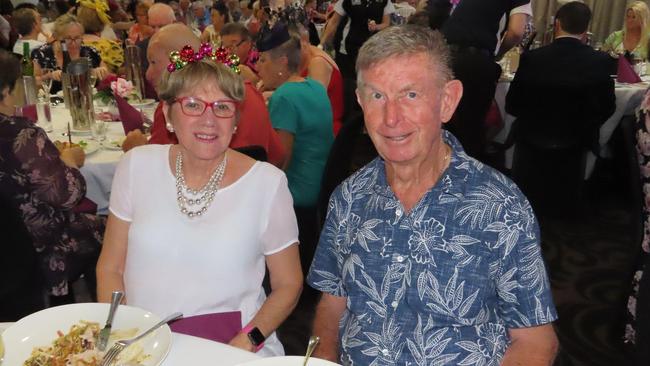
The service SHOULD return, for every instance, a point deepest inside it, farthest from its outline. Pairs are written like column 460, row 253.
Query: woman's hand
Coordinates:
column 100, row 72
column 56, row 75
column 372, row 26
column 73, row 157
column 241, row 341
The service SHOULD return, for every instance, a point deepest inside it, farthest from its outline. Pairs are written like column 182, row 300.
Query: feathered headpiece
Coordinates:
column 180, row 59
column 100, row 6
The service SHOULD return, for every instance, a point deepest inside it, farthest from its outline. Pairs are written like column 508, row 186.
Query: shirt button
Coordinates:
column 398, row 212
column 394, row 304
column 400, row 258
column 385, row 352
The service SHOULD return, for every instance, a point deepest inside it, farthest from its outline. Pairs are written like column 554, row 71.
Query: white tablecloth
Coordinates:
column 188, row 350
column 628, row 98
column 100, row 165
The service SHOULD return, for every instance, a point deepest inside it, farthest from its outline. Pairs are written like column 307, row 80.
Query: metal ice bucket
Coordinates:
column 76, row 84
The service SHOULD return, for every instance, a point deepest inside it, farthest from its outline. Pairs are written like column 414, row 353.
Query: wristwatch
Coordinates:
column 255, row 336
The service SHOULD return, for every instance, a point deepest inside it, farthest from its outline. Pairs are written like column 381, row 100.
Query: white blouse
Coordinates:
column 207, row 264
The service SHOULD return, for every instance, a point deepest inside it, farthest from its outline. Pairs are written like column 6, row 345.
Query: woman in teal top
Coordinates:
column 301, row 113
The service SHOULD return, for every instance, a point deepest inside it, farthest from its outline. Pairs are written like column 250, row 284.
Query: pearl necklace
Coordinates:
column 186, row 196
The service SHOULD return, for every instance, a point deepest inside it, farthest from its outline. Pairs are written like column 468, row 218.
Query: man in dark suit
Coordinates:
column 471, row 31
column 562, row 93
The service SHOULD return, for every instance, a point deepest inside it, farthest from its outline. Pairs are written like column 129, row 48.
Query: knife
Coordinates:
column 102, row 341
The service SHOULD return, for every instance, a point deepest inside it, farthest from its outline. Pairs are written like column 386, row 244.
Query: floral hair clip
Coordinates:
column 180, row 59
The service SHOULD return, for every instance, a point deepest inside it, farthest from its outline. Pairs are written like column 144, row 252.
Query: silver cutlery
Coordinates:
column 102, row 340
column 311, row 346
column 119, row 346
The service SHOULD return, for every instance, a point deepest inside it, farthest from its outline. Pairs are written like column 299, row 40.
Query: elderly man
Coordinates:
column 254, row 127
column 427, row 256
column 159, row 15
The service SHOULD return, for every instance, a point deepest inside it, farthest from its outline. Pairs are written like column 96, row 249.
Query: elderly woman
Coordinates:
column 92, row 16
column 196, row 215
column 301, row 113
column 141, row 29
column 66, row 29
column 633, row 38
column 220, row 15
column 318, row 65
column 45, row 185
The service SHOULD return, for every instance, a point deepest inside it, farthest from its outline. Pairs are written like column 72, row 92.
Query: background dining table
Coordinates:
column 189, row 350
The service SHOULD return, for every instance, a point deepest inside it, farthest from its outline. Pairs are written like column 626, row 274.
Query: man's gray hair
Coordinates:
column 406, row 40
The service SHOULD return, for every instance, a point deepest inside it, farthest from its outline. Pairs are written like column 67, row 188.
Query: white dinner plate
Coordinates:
column 40, row 329
column 113, row 144
column 288, row 361
column 142, row 103
column 90, row 147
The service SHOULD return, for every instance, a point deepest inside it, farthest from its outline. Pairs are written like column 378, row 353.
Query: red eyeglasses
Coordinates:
column 195, row 107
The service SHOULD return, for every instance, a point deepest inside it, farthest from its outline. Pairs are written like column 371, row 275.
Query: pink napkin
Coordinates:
column 85, row 206
column 219, row 327
column 131, row 117
column 626, row 73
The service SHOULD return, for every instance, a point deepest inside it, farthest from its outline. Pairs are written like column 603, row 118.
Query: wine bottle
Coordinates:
column 27, row 64
column 66, row 56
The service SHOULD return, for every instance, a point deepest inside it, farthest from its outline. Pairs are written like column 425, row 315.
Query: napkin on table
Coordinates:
column 219, row 327
column 131, row 117
column 625, row 72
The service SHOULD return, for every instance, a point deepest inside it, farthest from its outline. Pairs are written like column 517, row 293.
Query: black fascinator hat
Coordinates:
column 271, row 37
column 275, row 31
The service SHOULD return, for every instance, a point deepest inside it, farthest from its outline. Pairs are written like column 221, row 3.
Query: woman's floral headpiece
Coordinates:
column 180, row 59
column 100, row 6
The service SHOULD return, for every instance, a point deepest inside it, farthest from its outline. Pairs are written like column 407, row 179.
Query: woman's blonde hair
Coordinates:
column 62, row 22
column 90, row 20
column 640, row 9
column 201, row 73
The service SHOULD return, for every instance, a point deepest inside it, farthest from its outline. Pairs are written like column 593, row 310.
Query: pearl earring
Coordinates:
column 279, row 73
column 234, row 130
column 170, row 128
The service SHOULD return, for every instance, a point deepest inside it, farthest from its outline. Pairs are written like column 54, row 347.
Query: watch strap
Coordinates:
column 247, row 330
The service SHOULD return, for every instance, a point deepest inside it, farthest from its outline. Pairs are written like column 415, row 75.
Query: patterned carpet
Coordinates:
column 590, row 256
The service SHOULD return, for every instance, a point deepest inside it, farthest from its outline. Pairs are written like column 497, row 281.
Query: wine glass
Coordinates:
column 98, row 129
column 2, row 349
column 46, row 82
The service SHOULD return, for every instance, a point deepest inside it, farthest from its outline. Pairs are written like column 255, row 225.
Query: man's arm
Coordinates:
column 514, row 34
column 535, row 346
column 326, row 325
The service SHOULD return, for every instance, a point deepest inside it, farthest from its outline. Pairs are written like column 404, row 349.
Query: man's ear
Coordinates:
column 451, row 94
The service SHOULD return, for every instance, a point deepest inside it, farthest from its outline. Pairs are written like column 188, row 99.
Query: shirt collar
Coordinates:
column 458, row 160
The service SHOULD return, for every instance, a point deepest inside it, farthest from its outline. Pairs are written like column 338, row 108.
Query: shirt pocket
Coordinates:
column 453, row 295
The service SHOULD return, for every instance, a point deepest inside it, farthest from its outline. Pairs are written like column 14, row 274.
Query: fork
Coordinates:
column 119, row 346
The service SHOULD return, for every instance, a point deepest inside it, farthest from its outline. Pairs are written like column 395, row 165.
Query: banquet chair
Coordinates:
column 253, row 151
column 634, row 184
column 550, row 171
column 21, row 286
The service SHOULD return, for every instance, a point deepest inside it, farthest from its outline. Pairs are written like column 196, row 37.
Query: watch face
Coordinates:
column 256, row 337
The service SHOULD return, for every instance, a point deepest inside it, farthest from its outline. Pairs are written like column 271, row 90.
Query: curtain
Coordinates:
column 607, row 16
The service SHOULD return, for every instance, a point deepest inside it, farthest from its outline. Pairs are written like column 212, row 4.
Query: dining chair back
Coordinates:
column 21, row 288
